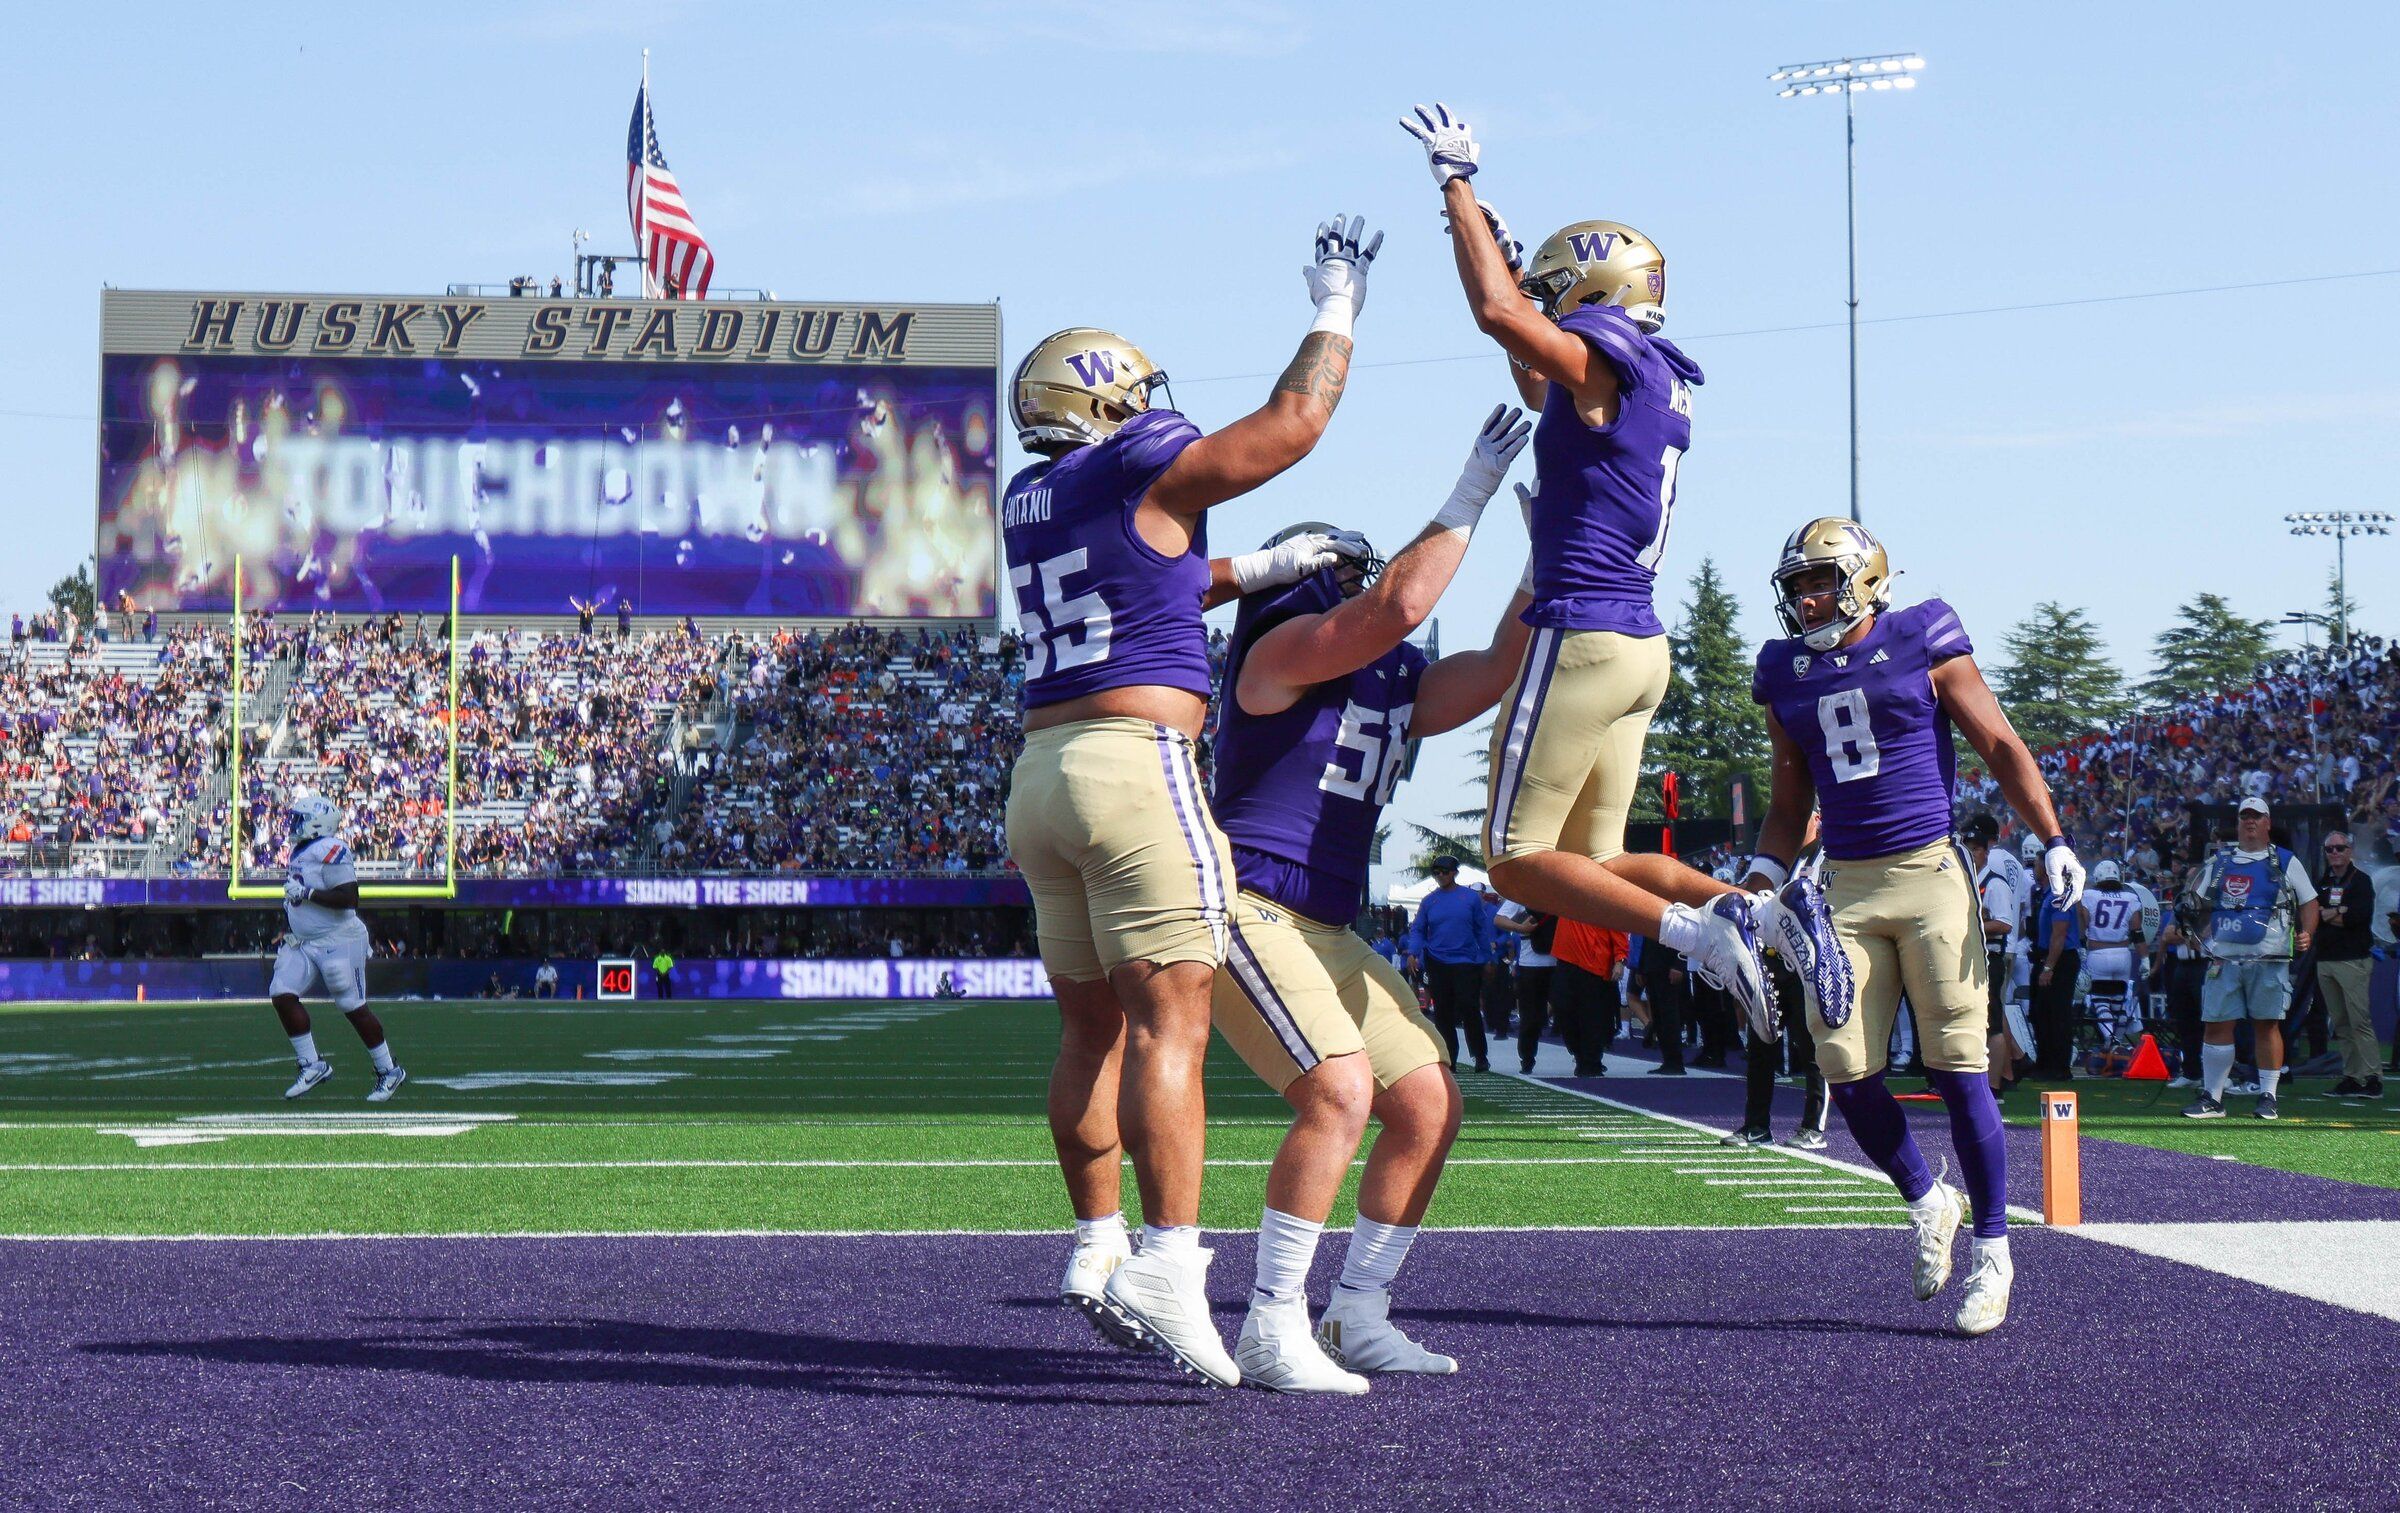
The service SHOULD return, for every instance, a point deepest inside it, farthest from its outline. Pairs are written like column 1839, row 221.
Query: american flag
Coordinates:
column 676, row 262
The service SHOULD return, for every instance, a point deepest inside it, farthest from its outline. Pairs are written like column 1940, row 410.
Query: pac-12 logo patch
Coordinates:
column 1800, row 665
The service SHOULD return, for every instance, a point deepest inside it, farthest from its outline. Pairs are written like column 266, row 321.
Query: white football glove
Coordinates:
column 1512, row 251
column 1337, row 277
column 1450, row 147
column 1287, row 562
column 2063, row 872
column 1525, row 508
column 295, row 891
column 1503, row 436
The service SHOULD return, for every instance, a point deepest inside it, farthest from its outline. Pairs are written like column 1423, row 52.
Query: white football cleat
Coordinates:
column 1277, row 1352
column 387, row 1083
column 310, row 1076
column 1936, row 1235
column 1086, row 1291
column 1727, row 956
column 1985, row 1306
column 1357, row 1331
column 1167, row 1299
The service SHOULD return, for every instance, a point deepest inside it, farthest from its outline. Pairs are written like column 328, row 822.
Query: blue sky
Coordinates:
column 1159, row 168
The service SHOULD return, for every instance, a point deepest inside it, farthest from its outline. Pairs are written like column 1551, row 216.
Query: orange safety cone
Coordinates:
column 2148, row 1065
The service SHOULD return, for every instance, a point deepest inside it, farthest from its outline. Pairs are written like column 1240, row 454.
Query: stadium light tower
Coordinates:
column 2341, row 525
column 1849, row 77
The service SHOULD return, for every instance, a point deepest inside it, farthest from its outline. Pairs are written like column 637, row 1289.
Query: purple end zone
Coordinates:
column 1695, row 1369
column 2122, row 1182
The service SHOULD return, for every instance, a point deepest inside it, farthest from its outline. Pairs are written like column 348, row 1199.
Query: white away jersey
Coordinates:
column 325, row 862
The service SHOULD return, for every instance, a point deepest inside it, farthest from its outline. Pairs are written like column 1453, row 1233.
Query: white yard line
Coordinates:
column 2348, row 1263
column 1062, row 1236
column 726, row 1164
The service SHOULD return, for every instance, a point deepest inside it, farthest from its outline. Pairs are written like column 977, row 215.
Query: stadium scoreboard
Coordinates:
column 714, row 458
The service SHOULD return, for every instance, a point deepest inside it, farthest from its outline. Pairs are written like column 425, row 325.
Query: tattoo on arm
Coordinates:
column 1319, row 370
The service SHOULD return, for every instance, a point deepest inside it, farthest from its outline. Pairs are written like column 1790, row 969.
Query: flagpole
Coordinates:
column 641, row 248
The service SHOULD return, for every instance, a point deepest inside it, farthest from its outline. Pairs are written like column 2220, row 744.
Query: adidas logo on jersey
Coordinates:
column 1881, row 656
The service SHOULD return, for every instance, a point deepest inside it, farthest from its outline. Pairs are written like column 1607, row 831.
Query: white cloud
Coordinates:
column 1226, row 29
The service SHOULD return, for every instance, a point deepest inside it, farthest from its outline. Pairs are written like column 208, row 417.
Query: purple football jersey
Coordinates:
column 1298, row 793
column 1874, row 733
column 1603, row 498
column 1099, row 608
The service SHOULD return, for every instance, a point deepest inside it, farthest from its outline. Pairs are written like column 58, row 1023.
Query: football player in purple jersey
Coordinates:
column 1323, row 696
column 1861, row 700
column 1580, row 326
column 1132, row 882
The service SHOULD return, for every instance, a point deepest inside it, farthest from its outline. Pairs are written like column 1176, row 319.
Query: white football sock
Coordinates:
column 381, row 1055
column 1998, row 1247
column 1108, row 1230
column 1679, row 930
column 1375, row 1253
column 1286, row 1246
column 2216, row 1067
column 1928, row 1205
column 2268, row 1076
column 305, row 1047
column 1171, row 1241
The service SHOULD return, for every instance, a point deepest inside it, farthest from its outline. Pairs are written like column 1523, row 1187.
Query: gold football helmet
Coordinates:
column 1599, row 263
column 1862, row 586
column 1078, row 386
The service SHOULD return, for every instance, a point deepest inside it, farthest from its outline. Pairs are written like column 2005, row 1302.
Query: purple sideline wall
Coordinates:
column 246, row 978
column 562, row 892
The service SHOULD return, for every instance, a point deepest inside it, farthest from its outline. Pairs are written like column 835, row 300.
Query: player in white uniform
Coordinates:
column 326, row 946
column 2113, row 933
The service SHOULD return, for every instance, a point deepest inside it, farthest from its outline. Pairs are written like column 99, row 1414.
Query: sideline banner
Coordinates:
column 798, row 980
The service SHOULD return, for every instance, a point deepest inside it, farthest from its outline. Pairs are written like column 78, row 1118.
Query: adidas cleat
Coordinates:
column 1728, row 958
column 1985, row 1306
column 1086, row 1291
column 1357, row 1332
column 310, row 1076
column 1167, row 1300
column 387, row 1083
column 1937, row 1234
column 1277, row 1352
column 1802, row 923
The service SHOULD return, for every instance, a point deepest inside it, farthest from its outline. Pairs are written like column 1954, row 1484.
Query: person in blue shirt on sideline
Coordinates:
column 1451, row 940
column 2058, row 955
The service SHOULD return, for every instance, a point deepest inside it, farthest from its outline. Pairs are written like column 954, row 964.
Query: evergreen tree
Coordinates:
column 2208, row 650
column 2341, row 610
column 2058, row 683
column 1706, row 729
column 75, row 592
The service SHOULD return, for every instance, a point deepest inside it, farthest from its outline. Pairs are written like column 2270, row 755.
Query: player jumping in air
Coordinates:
column 326, row 946
column 1580, row 327
column 1323, row 695
column 1861, row 699
column 1132, row 882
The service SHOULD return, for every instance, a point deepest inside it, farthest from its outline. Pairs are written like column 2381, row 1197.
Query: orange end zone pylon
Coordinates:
column 2062, row 1160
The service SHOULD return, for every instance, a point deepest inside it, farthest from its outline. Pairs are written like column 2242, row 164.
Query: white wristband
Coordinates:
column 1775, row 872
column 1337, row 315
column 1525, row 584
column 1462, row 509
column 1247, row 568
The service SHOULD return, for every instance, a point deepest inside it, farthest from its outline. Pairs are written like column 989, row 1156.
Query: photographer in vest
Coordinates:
column 2261, row 912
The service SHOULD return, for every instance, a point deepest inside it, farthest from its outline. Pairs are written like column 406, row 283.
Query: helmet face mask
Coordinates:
column 1351, row 576
column 1079, row 386
column 1861, row 586
column 1599, row 263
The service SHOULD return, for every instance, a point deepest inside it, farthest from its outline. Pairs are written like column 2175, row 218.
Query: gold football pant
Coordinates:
column 1910, row 923
column 1567, row 746
column 1109, row 824
column 1294, row 992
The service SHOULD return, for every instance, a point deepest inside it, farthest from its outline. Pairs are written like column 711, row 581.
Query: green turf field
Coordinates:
column 2317, row 1136
column 531, row 1118
column 523, row 1118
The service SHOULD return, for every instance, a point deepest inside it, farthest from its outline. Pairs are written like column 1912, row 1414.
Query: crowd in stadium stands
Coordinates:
column 2315, row 727
column 562, row 745
column 862, row 750
column 113, row 749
